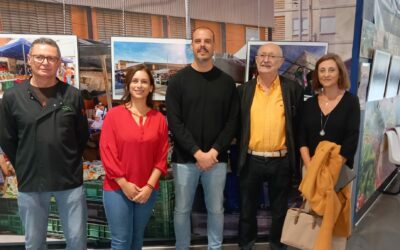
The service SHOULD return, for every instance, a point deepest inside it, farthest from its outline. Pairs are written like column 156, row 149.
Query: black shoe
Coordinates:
column 277, row 246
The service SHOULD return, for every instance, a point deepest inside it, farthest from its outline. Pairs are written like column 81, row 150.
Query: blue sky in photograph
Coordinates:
column 152, row 52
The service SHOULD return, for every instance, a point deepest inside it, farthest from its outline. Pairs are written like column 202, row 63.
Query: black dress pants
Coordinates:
column 276, row 171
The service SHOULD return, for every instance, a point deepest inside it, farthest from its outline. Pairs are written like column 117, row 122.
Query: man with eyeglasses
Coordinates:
column 43, row 130
column 270, row 106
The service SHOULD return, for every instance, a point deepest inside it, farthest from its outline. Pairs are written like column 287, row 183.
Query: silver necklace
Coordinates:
column 322, row 132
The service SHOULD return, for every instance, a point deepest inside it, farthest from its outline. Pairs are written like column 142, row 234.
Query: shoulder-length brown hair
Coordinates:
column 344, row 80
column 126, row 98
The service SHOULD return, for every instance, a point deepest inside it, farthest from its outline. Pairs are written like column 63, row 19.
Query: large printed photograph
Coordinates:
column 300, row 59
column 164, row 57
column 364, row 73
column 374, row 167
column 14, row 67
column 393, row 81
column 379, row 73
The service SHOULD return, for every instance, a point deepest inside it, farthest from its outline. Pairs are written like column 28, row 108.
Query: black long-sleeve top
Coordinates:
column 44, row 144
column 342, row 126
column 202, row 112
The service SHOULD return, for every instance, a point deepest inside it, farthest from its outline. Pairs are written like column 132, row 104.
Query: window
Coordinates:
column 32, row 17
column 252, row 34
column 278, row 31
column 296, row 27
column 279, row 4
column 110, row 23
column 328, row 25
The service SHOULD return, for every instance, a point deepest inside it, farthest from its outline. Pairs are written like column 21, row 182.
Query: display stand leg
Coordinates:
column 396, row 182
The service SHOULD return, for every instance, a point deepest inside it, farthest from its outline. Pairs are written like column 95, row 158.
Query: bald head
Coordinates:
column 269, row 59
column 271, row 47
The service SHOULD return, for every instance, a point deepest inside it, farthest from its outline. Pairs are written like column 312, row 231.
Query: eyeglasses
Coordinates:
column 40, row 59
column 266, row 56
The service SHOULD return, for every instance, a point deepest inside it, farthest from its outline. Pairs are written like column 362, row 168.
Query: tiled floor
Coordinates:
column 380, row 228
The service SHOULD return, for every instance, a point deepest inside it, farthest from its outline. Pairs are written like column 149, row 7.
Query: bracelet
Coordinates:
column 150, row 186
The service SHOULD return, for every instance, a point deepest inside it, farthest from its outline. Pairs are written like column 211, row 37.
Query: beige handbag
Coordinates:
column 301, row 228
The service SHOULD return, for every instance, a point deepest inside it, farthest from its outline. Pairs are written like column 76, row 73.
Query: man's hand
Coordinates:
column 205, row 161
column 214, row 154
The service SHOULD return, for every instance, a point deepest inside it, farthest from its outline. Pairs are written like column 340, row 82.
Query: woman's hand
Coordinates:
column 143, row 194
column 128, row 188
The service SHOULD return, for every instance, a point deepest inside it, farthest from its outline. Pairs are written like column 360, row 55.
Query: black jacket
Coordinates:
column 292, row 100
column 202, row 112
column 45, row 144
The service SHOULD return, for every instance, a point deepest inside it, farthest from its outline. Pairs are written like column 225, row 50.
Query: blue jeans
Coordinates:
column 186, row 178
column 34, row 212
column 127, row 220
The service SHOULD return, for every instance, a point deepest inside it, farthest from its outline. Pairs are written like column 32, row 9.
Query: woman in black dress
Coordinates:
column 333, row 114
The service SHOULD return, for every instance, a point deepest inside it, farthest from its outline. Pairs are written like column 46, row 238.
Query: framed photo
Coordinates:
column 365, row 69
column 164, row 57
column 300, row 59
column 379, row 73
column 14, row 50
column 392, row 86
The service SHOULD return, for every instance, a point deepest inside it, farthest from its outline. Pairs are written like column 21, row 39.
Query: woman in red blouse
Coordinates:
column 133, row 148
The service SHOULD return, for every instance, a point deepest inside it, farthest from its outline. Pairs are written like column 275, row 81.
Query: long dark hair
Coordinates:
column 126, row 98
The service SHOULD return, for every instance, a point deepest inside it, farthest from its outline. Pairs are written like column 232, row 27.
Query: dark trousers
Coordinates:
column 276, row 171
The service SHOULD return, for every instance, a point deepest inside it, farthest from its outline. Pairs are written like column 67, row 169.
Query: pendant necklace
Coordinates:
column 322, row 132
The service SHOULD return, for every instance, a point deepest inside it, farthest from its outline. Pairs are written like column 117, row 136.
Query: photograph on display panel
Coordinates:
column 392, row 85
column 379, row 73
column 14, row 67
column 365, row 69
column 300, row 60
column 164, row 57
column 367, row 39
column 374, row 167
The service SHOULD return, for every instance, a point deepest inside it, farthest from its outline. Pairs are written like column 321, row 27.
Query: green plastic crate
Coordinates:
column 12, row 223
column 54, row 226
column 53, row 210
column 98, row 231
column 8, row 206
column 94, row 190
column 161, row 223
column 96, row 211
column 159, row 229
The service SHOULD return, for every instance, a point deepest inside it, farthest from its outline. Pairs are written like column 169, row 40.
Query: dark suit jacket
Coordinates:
column 292, row 100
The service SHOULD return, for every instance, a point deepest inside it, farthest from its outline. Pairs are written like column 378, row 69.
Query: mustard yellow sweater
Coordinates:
column 317, row 188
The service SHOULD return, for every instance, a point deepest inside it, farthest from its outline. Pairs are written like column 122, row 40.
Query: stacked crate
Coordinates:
column 97, row 228
column 9, row 217
column 94, row 190
column 161, row 224
column 54, row 228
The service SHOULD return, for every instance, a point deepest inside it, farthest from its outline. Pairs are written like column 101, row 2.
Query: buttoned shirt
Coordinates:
column 267, row 119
